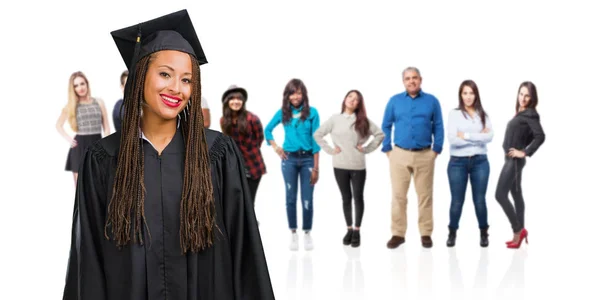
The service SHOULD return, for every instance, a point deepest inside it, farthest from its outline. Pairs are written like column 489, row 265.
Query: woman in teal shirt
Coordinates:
column 299, row 155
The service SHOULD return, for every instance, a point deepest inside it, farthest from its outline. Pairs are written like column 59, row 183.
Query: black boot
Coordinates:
column 484, row 238
column 451, row 238
column 348, row 237
column 355, row 239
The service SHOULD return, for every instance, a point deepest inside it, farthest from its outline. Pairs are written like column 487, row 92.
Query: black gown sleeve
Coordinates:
column 85, row 274
column 250, row 272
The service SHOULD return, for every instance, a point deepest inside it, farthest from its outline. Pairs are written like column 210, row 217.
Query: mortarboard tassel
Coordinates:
column 134, row 59
column 138, row 45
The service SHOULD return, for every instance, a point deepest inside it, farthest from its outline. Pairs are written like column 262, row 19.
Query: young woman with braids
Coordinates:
column 350, row 130
column 299, row 155
column 163, row 210
column 87, row 117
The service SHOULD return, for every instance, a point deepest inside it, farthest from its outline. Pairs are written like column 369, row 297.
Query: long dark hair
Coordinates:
column 533, row 97
column 290, row 88
column 476, row 103
column 128, row 192
column 240, row 117
column 361, row 125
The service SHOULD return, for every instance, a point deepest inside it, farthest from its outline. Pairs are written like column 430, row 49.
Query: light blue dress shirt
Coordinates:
column 474, row 142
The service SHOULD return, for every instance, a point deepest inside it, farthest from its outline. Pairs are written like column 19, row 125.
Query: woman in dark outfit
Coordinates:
column 524, row 135
column 163, row 209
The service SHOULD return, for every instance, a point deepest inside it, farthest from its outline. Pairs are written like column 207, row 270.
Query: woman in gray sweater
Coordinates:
column 349, row 131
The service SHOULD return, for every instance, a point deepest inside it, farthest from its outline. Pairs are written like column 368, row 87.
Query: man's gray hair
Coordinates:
column 411, row 69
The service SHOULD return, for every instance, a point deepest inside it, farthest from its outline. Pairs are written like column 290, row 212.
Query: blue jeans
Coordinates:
column 298, row 166
column 460, row 170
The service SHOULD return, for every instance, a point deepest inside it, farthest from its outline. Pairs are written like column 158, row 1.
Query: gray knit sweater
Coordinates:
column 344, row 136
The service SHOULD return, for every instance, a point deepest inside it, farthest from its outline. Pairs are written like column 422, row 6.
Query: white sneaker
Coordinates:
column 294, row 242
column 308, row 242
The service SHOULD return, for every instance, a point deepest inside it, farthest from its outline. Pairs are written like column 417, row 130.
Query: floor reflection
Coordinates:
column 398, row 270
column 457, row 286
column 300, row 289
column 353, row 280
column 512, row 285
column 425, row 285
column 481, row 275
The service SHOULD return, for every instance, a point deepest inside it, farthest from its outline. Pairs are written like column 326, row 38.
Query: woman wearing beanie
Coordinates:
column 246, row 130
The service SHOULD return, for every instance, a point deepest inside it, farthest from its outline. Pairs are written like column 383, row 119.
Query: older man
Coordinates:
column 418, row 139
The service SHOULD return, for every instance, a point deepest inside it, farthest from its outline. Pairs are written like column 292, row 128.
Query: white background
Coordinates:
column 333, row 47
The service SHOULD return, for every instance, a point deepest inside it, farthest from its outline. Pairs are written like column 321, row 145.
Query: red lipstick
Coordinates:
column 171, row 101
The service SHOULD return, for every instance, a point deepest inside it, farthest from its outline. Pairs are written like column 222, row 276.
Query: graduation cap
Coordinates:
column 174, row 31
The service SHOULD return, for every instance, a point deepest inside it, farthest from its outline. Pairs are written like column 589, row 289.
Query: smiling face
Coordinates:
column 168, row 84
column 412, row 81
column 235, row 104
column 296, row 98
column 80, row 86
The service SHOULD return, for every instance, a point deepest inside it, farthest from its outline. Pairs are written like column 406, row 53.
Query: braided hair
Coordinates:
column 128, row 191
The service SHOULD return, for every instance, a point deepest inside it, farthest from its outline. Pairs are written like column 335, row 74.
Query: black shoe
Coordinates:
column 484, row 238
column 355, row 238
column 451, row 238
column 348, row 237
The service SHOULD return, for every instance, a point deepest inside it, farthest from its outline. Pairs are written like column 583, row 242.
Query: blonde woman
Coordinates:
column 87, row 117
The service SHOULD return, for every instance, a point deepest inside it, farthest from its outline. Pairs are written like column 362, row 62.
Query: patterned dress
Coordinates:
column 89, row 130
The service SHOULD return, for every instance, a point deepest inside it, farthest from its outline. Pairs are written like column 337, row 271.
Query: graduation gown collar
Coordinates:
column 176, row 145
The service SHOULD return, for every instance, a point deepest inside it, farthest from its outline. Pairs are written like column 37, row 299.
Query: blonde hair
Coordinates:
column 74, row 99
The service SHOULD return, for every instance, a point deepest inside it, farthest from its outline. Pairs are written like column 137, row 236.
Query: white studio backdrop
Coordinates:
column 333, row 47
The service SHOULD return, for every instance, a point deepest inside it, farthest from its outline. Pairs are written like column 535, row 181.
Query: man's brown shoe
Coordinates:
column 395, row 241
column 426, row 241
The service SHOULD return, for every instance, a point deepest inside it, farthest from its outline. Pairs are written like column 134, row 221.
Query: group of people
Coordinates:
column 412, row 136
column 165, row 206
column 418, row 138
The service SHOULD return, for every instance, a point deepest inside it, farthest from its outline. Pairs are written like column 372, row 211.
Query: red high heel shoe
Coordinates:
column 517, row 245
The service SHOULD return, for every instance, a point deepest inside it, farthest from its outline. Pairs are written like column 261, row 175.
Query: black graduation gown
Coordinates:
column 233, row 268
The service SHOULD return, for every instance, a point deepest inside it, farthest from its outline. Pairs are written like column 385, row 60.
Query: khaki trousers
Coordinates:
column 403, row 165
